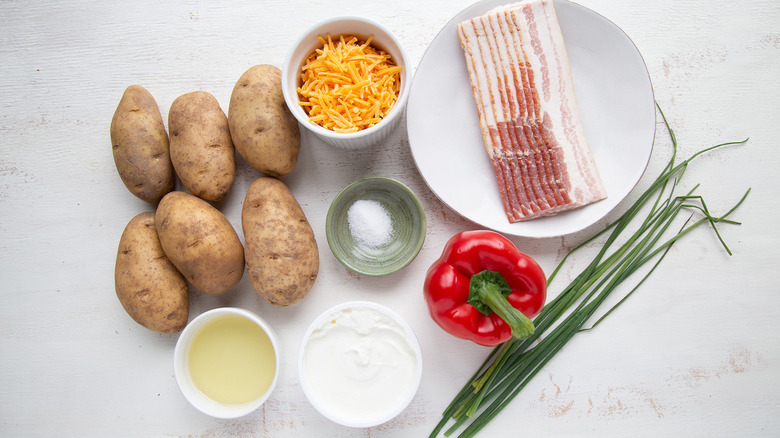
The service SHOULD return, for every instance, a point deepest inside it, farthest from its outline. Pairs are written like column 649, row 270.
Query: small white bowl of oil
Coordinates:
column 226, row 362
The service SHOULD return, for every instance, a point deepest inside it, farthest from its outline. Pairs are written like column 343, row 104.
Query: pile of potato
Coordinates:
column 187, row 241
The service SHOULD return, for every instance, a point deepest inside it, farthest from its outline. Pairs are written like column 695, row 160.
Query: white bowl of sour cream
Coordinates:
column 359, row 364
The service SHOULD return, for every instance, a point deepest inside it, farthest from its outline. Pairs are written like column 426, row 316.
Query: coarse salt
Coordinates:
column 369, row 223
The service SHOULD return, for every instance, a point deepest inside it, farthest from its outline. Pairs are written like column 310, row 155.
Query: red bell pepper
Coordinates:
column 484, row 289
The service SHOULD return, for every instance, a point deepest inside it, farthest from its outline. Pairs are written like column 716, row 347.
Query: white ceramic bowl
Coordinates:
column 362, row 28
column 181, row 370
column 389, row 400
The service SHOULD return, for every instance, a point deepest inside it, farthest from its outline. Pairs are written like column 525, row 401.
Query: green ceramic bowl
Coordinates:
column 375, row 226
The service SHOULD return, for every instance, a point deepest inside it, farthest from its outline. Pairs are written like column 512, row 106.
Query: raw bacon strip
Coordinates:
column 522, row 84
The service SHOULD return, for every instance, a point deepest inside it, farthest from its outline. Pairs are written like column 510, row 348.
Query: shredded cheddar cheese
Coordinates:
column 348, row 85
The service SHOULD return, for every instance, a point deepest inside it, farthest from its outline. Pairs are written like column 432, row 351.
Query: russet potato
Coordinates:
column 140, row 146
column 202, row 151
column 200, row 242
column 281, row 252
column 263, row 129
column 149, row 287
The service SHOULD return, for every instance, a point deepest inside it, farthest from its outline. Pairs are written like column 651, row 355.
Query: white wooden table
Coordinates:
column 695, row 353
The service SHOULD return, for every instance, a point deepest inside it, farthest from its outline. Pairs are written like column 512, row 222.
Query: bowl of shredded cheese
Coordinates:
column 375, row 226
column 346, row 81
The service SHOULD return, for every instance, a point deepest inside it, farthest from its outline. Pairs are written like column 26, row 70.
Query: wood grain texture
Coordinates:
column 695, row 353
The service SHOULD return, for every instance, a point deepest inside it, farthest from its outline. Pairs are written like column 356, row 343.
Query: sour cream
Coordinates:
column 360, row 364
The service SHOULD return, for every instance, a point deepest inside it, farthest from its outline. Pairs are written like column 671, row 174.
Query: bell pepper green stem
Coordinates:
column 488, row 290
column 522, row 327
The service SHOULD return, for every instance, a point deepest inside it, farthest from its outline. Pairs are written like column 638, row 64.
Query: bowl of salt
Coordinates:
column 375, row 226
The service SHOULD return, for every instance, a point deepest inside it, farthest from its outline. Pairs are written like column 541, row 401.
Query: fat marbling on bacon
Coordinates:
column 523, row 88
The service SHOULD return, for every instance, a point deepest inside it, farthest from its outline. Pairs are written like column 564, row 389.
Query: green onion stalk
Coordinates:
column 641, row 235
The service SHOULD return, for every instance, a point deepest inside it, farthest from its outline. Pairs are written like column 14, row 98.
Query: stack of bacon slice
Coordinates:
column 519, row 72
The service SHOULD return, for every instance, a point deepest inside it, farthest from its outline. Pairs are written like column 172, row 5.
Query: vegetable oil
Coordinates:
column 231, row 360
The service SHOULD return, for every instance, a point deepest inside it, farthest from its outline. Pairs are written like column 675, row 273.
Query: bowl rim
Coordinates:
column 411, row 337
column 403, row 93
column 187, row 387
column 407, row 192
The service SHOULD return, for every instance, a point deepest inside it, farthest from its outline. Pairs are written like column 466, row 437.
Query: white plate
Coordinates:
column 616, row 102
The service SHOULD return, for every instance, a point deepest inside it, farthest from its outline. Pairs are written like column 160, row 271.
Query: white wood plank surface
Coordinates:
column 696, row 353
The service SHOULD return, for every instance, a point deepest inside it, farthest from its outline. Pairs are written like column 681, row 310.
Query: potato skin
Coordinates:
column 140, row 146
column 147, row 284
column 202, row 151
column 200, row 242
column 281, row 252
column 264, row 130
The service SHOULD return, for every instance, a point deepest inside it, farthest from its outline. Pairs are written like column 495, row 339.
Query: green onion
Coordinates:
column 644, row 233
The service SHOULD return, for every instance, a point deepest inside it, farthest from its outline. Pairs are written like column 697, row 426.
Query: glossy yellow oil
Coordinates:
column 231, row 360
